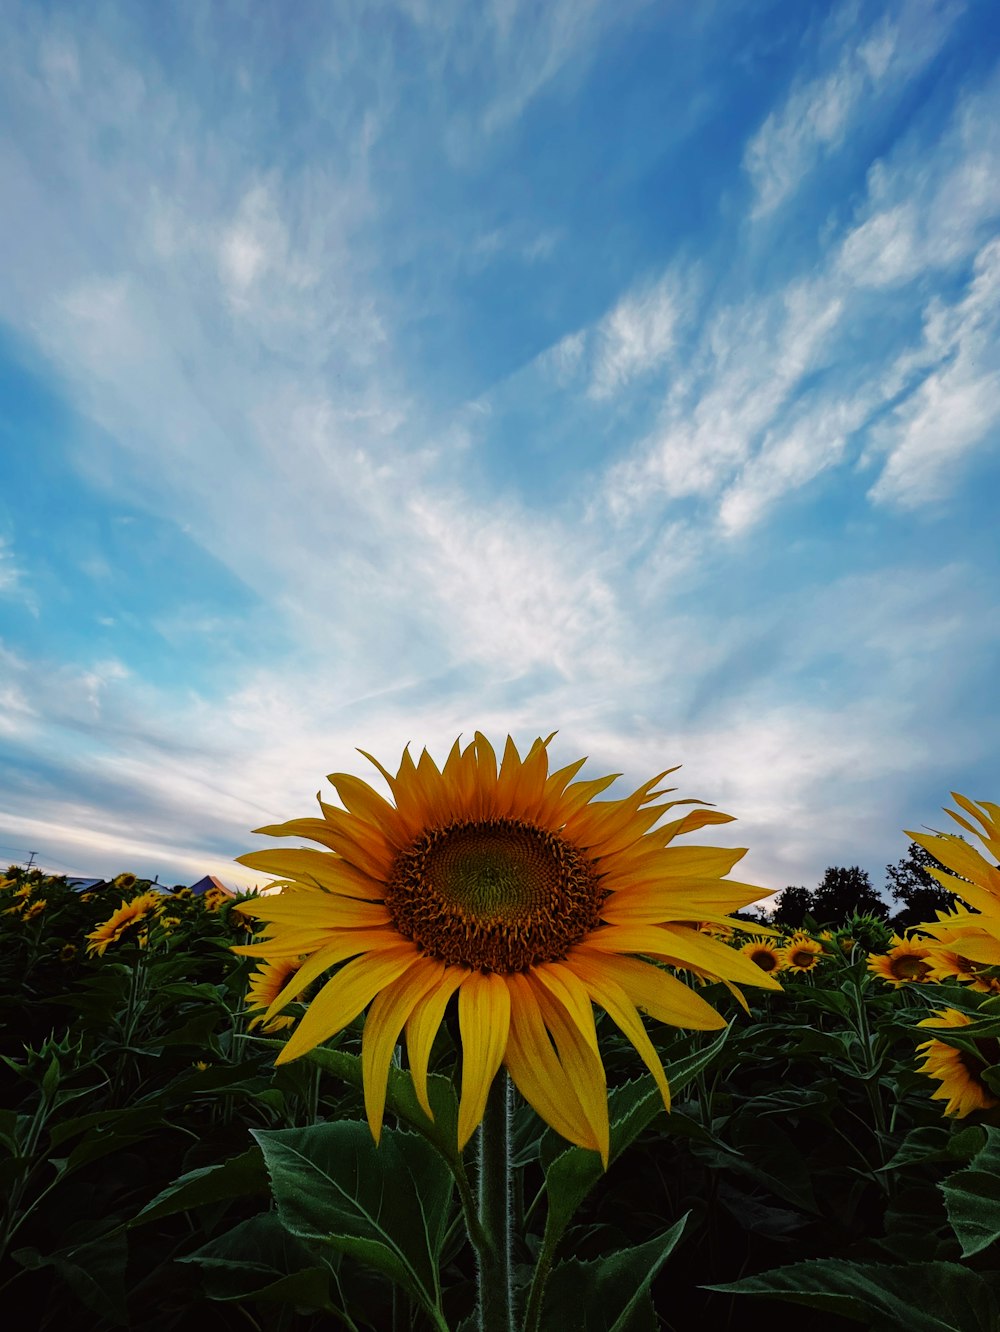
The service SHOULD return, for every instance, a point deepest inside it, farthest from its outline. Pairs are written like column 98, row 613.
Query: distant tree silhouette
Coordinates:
column 910, row 882
column 751, row 916
column 843, row 892
column 792, row 906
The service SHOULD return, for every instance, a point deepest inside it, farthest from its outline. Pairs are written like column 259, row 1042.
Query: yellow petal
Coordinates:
column 321, row 868
column 484, row 1022
column 652, row 990
column 957, row 855
column 564, row 985
column 583, row 1065
column 682, row 947
column 389, row 1011
column 318, row 909
column 349, row 943
column 621, row 1010
column 660, row 863
column 536, row 1071
column 367, row 805
column 422, row 1027
column 344, row 996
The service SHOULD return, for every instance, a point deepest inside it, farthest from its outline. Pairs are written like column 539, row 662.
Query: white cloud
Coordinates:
column 14, row 584
column 635, row 337
column 513, row 592
column 933, row 208
column 747, row 366
column 818, row 113
column 956, row 408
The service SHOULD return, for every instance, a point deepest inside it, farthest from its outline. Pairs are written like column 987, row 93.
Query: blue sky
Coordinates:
column 372, row 373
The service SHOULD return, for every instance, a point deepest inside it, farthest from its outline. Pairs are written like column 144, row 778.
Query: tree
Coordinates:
column 792, row 906
column 911, row 883
column 845, row 891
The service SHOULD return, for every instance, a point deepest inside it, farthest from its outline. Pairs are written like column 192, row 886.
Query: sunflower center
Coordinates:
column 498, row 895
column 765, row 959
column 909, row 967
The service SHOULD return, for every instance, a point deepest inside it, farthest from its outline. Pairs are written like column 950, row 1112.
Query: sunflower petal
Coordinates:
column 422, row 1027
column 536, row 1071
column 621, row 1010
column 389, row 1011
column 351, row 943
column 484, row 1021
column 681, row 946
column 344, row 996
column 651, row 989
column 316, row 867
column 582, row 1063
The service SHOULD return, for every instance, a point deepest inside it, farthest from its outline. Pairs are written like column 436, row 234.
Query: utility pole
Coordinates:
column 32, row 860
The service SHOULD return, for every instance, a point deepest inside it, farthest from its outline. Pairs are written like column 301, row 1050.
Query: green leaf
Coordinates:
column 387, row 1206
column 239, row 1177
column 571, row 1175
column 95, row 1272
column 913, row 1297
column 401, row 1098
column 260, row 1260
column 610, row 1294
column 972, row 1198
column 934, row 1142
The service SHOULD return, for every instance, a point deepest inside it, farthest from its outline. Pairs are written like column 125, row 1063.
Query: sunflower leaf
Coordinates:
column 259, row 1260
column 612, row 1293
column 238, row 1177
column 971, row 1199
column 401, row 1098
column 571, row 1175
column 387, row 1206
column 911, row 1297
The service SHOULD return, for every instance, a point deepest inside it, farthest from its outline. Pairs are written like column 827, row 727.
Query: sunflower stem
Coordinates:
column 496, row 1296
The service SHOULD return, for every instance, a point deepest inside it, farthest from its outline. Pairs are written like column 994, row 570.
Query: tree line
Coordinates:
column 846, row 890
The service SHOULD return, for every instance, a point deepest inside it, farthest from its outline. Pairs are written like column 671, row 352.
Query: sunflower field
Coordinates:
column 330, row 1107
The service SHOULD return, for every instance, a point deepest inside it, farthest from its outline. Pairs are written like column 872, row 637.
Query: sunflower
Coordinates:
column 959, row 1072
column 67, row 952
column 723, row 932
column 126, row 918
column 905, row 962
column 265, row 985
column 514, row 890
column 972, row 878
column 801, row 953
column 763, row 954
column 947, row 962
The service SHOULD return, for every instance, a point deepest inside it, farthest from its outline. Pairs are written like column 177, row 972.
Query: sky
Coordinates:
column 372, row 373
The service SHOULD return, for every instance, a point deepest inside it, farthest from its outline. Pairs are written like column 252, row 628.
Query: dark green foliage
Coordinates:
column 792, row 905
column 844, row 892
column 158, row 1172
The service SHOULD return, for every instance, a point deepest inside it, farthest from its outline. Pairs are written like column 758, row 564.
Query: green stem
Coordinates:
column 496, row 1302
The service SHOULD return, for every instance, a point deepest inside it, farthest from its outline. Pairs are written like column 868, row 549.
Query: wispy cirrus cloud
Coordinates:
column 866, row 71
column 956, row 407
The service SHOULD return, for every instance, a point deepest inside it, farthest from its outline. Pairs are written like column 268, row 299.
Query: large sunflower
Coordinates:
column 959, row 1072
column 514, row 889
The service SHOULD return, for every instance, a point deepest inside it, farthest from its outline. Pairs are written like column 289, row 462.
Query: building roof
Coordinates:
column 209, row 882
